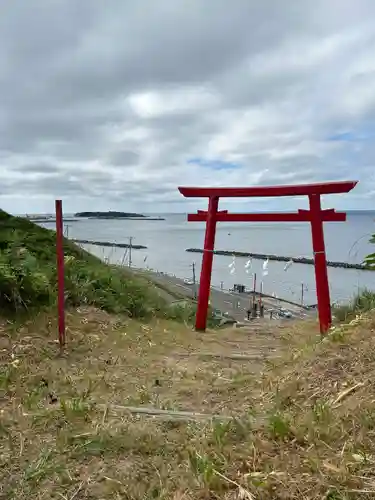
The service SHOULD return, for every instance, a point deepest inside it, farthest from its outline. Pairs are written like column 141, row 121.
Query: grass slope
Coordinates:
column 304, row 425
column 28, row 276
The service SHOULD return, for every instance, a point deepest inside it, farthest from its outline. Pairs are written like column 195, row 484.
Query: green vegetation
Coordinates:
column 362, row 302
column 28, row 276
column 370, row 259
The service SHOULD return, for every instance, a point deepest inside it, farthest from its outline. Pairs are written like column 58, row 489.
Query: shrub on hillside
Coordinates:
column 104, row 287
column 362, row 302
column 23, row 282
column 370, row 259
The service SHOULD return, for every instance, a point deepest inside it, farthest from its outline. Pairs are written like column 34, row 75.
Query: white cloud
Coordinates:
column 108, row 104
column 156, row 104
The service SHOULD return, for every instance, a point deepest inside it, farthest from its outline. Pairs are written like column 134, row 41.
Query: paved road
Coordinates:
column 233, row 303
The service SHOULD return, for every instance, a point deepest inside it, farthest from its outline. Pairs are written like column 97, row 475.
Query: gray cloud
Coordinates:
column 38, row 168
column 124, row 158
column 110, row 101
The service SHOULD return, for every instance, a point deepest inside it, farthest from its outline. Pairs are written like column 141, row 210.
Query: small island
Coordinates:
column 115, row 215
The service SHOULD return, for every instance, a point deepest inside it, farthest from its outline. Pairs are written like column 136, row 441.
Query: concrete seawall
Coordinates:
column 110, row 244
column 282, row 258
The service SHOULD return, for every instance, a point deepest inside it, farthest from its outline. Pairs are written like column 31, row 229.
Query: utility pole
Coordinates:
column 261, row 304
column 130, row 250
column 67, row 226
column 194, row 281
column 302, row 292
column 124, row 256
column 254, row 287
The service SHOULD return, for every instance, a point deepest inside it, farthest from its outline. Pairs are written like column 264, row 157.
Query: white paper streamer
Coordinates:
column 265, row 267
column 288, row 264
column 232, row 266
column 248, row 266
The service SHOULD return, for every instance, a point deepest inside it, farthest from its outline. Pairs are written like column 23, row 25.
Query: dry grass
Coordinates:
column 303, row 425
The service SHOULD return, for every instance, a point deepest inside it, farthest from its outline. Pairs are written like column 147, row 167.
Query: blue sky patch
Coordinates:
column 364, row 132
column 343, row 136
column 213, row 164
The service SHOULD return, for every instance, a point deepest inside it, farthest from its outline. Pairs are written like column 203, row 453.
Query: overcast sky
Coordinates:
column 112, row 105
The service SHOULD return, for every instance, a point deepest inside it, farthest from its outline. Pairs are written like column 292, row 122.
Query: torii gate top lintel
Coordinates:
column 315, row 215
column 260, row 191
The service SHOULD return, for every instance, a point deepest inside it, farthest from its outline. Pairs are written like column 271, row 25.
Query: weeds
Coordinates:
column 40, row 468
column 279, row 426
column 76, row 408
column 363, row 301
column 7, row 372
column 203, row 469
column 220, row 431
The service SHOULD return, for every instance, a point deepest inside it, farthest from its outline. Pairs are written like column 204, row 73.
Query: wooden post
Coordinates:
column 60, row 272
column 205, row 279
column 321, row 274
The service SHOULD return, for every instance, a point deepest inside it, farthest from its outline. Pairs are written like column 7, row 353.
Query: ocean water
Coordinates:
column 167, row 241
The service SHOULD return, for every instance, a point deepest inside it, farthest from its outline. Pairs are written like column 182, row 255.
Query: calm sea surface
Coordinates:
column 167, row 241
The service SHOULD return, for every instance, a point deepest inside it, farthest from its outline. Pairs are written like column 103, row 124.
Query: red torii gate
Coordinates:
column 315, row 215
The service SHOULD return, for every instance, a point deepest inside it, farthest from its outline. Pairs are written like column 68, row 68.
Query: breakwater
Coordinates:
column 110, row 244
column 282, row 258
column 48, row 219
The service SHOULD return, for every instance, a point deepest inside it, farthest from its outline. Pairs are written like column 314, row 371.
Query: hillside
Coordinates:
column 140, row 407
column 154, row 411
column 28, row 276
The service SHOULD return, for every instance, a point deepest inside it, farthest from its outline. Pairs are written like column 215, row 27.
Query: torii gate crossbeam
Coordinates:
column 315, row 216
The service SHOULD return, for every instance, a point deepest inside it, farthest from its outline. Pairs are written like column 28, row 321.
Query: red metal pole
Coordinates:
column 205, row 279
column 321, row 275
column 60, row 272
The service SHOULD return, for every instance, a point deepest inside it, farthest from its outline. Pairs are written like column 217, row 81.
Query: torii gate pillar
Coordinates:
column 320, row 264
column 206, row 269
column 315, row 215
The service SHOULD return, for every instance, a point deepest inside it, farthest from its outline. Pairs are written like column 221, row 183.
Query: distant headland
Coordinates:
column 115, row 215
